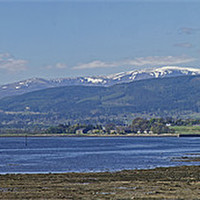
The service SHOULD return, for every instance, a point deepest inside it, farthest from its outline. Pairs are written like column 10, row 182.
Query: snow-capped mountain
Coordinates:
column 34, row 84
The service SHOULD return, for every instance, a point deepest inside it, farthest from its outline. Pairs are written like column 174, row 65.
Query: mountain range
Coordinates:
column 163, row 92
column 35, row 84
column 166, row 95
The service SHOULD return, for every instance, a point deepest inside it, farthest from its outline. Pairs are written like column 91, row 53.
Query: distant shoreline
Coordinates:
column 89, row 135
column 105, row 135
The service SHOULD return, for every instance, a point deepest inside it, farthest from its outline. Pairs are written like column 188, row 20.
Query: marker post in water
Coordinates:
column 26, row 143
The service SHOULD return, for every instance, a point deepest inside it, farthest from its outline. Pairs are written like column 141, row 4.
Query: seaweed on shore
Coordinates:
column 160, row 183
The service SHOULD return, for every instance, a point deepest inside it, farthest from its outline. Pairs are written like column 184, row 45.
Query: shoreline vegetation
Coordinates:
column 180, row 182
column 138, row 127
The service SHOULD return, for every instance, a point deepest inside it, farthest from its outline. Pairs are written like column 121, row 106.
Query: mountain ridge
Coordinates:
column 172, row 93
column 35, row 84
column 158, row 97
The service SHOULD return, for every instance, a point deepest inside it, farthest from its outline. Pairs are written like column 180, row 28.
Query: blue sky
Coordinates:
column 51, row 39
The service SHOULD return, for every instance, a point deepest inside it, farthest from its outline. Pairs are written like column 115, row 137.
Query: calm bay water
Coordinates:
column 84, row 154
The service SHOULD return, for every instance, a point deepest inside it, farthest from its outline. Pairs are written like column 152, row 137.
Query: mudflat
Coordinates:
column 161, row 183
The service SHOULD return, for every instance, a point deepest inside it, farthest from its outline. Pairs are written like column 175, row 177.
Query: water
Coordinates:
column 86, row 154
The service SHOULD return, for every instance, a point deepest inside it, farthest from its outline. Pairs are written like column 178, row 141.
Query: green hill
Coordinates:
column 165, row 95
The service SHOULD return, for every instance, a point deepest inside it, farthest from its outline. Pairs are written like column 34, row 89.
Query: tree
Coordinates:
column 139, row 124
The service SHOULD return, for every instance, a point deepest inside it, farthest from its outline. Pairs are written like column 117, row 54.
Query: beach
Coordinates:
column 181, row 182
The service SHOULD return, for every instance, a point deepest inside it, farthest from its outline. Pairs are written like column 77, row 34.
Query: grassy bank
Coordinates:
column 187, row 129
column 160, row 183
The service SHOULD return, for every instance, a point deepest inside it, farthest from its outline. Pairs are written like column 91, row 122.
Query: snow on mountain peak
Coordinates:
column 122, row 77
column 94, row 80
column 153, row 73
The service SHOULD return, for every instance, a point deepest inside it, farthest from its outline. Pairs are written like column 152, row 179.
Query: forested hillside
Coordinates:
column 166, row 95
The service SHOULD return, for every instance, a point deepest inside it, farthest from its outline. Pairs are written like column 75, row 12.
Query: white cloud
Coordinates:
column 11, row 64
column 57, row 66
column 161, row 60
column 60, row 66
column 95, row 64
column 188, row 30
column 141, row 61
column 184, row 45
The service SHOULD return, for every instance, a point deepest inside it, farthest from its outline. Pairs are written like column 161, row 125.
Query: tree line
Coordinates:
column 138, row 125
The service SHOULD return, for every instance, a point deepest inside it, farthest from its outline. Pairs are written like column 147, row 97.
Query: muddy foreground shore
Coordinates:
column 160, row 183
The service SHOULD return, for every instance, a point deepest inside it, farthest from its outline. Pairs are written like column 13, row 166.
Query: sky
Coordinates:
column 54, row 39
